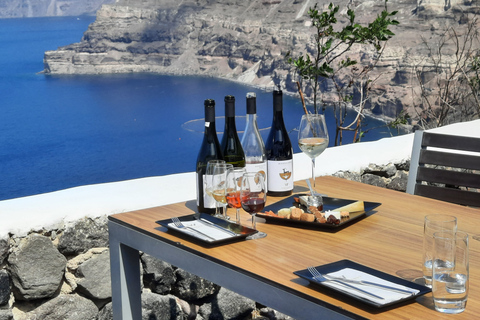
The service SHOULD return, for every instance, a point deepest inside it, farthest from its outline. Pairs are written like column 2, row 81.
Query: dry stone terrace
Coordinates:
column 64, row 273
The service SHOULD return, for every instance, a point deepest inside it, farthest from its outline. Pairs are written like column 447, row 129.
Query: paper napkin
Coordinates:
column 202, row 227
column 353, row 274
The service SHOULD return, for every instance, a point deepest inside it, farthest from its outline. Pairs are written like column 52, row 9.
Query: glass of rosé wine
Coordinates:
column 233, row 187
column 253, row 194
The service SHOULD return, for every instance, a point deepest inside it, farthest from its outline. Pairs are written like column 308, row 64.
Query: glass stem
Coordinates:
column 313, row 172
column 238, row 215
column 254, row 222
column 225, row 212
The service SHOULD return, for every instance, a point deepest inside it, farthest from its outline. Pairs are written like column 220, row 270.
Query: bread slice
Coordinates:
column 352, row 207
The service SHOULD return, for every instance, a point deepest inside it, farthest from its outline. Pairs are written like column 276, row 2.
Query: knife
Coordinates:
column 218, row 227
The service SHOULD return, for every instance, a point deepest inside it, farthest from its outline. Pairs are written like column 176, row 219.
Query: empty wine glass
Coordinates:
column 208, row 184
column 253, row 194
column 219, row 182
column 234, row 185
column 313, row 137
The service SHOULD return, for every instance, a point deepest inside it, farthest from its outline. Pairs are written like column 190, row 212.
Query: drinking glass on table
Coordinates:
column 253, row 194
column 234, row 185
column 313, row 137
column 219, row 183
column 434, row 223
column 208, row 182
column 450, row 280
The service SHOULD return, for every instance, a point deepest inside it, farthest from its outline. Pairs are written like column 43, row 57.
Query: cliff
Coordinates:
column 49, row 8
column 245, row 41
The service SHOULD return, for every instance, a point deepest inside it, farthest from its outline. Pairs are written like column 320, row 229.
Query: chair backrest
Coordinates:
column 445, row 167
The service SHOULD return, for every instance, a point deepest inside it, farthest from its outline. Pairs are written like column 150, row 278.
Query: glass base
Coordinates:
column 450, row 306
column 257, row 235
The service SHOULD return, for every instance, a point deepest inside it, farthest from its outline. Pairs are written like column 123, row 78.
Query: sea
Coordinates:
column 58, row 132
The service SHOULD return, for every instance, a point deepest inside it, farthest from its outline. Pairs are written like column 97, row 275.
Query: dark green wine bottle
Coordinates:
column 279, row 152
column 231, row 146
column 209, row 150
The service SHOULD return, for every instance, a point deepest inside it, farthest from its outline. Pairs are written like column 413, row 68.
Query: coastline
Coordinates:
column 21, row 215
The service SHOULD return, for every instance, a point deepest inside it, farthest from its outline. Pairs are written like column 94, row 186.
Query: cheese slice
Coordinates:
column 352, row 207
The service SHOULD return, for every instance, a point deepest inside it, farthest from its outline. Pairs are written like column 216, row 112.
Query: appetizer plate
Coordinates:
column 328, row 204
column 343, row 264
column 208, row 229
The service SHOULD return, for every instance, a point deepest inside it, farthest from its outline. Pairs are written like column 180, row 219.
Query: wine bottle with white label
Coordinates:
column 252, row 142
column 279, row 152
column 209, row 150
column 231, row 146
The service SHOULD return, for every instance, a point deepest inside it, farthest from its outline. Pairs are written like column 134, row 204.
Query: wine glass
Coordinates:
column 313, row 137
column 253, row 194
column 234, row 184
column 219, row 182
column 208, row 184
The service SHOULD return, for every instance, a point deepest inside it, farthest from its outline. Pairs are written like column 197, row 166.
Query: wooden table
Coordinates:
column 389, row 239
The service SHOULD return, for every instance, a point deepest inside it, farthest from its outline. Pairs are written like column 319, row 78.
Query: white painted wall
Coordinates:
column 19, row 216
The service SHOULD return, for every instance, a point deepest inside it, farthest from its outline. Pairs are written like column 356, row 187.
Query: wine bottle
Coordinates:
column 209, row 150
column 279, row 152
column 231, row 147
column 252, row 142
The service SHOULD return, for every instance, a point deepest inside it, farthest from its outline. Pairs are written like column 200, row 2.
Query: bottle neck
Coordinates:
column 230, row 124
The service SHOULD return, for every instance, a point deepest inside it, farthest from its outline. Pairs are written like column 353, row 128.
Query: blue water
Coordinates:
column 58, row 132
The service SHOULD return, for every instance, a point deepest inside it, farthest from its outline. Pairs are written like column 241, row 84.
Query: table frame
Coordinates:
column 127, row 242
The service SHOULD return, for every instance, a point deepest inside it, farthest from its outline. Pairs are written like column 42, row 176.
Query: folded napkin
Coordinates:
column 205, row 232
column 353, row 274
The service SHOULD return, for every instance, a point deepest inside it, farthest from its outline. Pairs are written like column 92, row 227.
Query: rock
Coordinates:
column 227, row 305
column 106, row 313
column 36, row 268
column 22, row 9
column 190, row 287
column 404, row 165
column 390, row 170
column 271, row 314
column 94, row 277
column 353, row 176
column 3, row 249
column 155, row 306
column 375, row 169
column 399, row 181
column 4, row 287
column 6, row 314
column 158, row 275
column 81, row 235
column 374, row 180
column 65, row 307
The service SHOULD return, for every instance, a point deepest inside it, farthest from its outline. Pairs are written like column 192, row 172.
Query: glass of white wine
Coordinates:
column 219, row 185
column 208, row 183
column 313, row 137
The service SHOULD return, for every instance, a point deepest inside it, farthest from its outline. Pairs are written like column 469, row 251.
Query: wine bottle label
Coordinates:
column 208, row 201
column 280, row 175
column 260, row 167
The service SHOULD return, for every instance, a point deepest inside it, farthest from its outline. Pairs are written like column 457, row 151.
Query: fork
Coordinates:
column 180, row 225
column 321, row 278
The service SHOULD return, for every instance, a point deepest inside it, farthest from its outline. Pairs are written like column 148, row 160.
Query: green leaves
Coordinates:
column 328, row 41
column 329, row 57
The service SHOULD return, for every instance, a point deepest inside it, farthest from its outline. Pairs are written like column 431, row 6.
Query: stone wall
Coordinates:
column 64, row 273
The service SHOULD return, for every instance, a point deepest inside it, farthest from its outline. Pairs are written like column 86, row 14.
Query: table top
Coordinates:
column 389, row 239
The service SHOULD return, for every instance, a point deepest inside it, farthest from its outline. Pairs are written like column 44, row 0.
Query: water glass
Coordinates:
column 450, row 271
column 434, row 223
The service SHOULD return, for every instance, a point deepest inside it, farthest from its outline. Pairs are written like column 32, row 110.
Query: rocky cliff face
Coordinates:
column 48, row 8
column 244, row 41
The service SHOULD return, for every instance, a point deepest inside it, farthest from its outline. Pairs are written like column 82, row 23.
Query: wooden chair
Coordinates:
column 445, row 167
